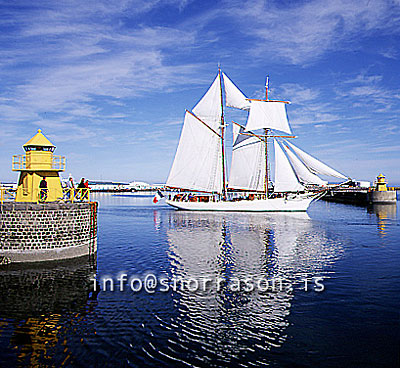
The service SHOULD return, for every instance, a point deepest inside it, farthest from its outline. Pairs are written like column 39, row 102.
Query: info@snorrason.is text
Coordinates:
column 151, row 283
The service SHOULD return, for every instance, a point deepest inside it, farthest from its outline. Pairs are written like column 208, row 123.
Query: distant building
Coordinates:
column 107, row 186
column 159, row 186
column 140, row 185
column 13, row 186
column 115, row 186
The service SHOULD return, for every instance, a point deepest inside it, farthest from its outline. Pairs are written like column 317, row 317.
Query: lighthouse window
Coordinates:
column 39, row 148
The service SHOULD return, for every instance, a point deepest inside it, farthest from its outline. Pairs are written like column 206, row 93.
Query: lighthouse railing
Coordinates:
column 76, row 195
column 19, row 162
column 6, row 194
column 58, row 163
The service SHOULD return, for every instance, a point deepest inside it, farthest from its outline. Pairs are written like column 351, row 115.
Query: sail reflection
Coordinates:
column 220, row 325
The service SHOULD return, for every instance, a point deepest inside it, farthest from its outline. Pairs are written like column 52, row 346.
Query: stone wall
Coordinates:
column 32, row 232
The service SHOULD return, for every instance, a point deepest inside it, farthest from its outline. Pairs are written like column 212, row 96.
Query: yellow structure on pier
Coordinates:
column 37, row 163
column 381, row 183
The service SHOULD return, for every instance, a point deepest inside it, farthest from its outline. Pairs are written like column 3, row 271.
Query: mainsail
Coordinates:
column 285, row 178
column 248, row 162
column 314, row 165
column 301, row 170
column 198, row 159
column 268, row 115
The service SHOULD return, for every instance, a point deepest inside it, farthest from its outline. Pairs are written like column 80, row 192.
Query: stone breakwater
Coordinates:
column 31, row 232
column 361, row 197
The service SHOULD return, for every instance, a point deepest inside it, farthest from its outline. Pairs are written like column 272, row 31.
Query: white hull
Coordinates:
column 298, row 204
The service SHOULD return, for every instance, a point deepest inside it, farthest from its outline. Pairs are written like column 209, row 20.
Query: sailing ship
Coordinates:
column 199, row 168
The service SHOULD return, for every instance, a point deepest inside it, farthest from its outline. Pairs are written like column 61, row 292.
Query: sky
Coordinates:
column 108, row 82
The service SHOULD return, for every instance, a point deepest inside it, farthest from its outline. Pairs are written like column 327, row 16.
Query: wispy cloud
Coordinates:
column 364, row 89
column 390, row 53
column 302, row 32
column 67, row 55
column 307, row 107
column 299, row 94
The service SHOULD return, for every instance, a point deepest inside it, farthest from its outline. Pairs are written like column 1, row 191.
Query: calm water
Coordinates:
column 51, row 316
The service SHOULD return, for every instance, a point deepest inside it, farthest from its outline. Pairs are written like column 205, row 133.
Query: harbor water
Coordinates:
column 338, row 306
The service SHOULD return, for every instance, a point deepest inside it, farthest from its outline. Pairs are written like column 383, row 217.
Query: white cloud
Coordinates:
column 298, row 94
column 70, row 54
column 364, row 89
column 363, row 78
column 389, row 53
column 299, row 33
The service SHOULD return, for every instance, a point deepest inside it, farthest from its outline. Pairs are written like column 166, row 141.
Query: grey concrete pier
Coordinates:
column 376, row 197
column 31, row 232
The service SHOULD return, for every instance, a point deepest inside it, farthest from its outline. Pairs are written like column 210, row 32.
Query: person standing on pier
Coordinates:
column 43, row 189
column 70, row 183
column 71, row 187
column 86, row 193
column 81, row 186
column 83, row 189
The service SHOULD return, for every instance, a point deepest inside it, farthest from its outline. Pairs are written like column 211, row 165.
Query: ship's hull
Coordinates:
column 298, row 204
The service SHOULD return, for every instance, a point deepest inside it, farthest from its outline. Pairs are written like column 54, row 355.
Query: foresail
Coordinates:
column 268, row 115
column 285, row 178
column 301, row 170
column 315, row 166
column 234, row 96
column 248, row 164
column 209, row 108
column 198, row 162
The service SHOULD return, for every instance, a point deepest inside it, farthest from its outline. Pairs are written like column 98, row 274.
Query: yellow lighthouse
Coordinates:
column 381, row 183
column 37, row 164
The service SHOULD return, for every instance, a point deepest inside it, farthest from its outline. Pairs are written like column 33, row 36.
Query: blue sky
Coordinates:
column 108, row 81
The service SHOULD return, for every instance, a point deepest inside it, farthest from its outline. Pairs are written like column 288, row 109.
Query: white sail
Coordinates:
column 248, row 164
column 234, row 96
column 285, row 178
column 198, row 161
column 268, row 115
column 236, row 129
column 302, row 172
column 209, row 108
column 315, row 166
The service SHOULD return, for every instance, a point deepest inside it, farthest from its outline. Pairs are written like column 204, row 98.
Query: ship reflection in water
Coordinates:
column 36, row 301
column 225, row 327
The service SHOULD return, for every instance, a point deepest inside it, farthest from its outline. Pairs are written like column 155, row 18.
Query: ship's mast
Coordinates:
column 222, row 137
column 266, row 144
